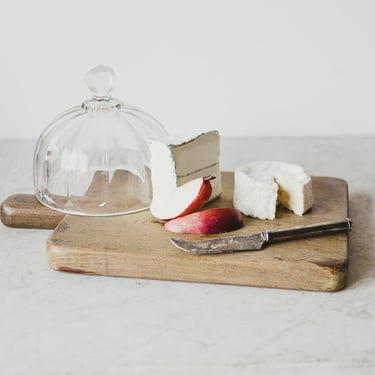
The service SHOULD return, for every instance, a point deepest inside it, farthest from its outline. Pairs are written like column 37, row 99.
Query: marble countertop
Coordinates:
column 59, row 323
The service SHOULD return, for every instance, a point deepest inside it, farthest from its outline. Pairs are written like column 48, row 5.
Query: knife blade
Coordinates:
column 259, row 241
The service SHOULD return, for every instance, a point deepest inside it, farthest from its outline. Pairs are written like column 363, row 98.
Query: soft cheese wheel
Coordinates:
column 174, row 165
column 260, row 186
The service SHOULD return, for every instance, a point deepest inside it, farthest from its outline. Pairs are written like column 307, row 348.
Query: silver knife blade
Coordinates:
column 256, row 241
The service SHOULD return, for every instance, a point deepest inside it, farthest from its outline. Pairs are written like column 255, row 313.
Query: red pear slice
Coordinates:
column 213, row 220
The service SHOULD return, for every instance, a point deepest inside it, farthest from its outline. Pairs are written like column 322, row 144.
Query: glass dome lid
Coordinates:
column 93, row 159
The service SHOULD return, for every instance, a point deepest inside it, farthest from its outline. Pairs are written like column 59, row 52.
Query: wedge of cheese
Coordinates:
column 175, row 164
column 260, row 186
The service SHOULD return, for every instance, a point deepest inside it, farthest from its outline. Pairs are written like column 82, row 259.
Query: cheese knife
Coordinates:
column 259, row 241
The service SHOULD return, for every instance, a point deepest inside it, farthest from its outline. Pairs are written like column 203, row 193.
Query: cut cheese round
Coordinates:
column 177, row 170
column 260, row 186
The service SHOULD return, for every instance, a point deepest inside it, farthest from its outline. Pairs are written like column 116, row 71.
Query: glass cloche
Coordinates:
column 93, row 159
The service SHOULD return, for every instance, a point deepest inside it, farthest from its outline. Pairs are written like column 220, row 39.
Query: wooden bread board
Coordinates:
column 137, row 245
column 24, row 211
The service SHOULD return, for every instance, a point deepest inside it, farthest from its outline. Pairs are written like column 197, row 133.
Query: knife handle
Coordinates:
column 308, row 230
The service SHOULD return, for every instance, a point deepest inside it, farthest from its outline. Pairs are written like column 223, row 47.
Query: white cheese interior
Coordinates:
column 173, row 165
column 261, row 186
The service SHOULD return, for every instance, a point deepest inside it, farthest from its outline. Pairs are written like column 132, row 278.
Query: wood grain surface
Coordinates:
column 137, row 245
column 24, row 211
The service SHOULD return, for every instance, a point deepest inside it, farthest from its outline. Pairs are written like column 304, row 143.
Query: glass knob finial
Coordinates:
column 101, row 81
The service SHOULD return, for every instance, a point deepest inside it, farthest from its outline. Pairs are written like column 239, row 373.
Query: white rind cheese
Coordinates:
column 173, row 165
column 260, row 186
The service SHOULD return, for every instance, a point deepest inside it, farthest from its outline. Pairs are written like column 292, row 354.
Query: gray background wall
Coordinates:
column 271, row 67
